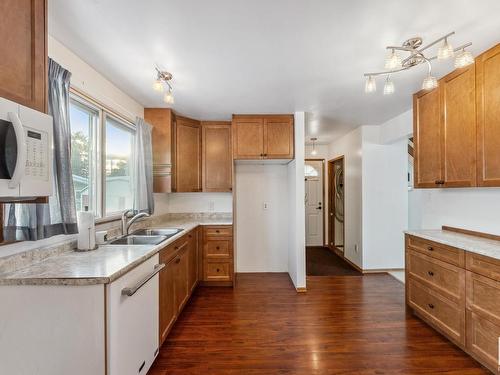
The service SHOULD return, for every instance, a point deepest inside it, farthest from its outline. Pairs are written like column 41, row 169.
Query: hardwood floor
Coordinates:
column 321, row 261
column 342, row 325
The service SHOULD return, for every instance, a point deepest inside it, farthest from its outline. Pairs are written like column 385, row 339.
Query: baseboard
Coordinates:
column 382, row 270
column 302, row 289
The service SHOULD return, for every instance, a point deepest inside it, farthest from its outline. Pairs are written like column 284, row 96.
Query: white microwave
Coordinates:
column 26, row 153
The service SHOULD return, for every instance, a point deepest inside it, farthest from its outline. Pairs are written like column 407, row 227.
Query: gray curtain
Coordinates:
column 143, row 168
column 37, row 221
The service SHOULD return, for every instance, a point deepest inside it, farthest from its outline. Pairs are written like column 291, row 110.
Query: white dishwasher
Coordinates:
column 132, row 320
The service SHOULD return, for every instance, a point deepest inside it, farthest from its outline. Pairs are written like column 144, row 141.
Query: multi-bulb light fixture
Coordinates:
column 162, row 82
column 313, row 151
column 394, row 63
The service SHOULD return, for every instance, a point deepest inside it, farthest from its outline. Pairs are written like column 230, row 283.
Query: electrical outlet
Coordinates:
column 211, row 206
column 265, row 206
column 356, row 248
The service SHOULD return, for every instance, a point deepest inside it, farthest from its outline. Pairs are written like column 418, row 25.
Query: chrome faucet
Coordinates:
column 126, row 224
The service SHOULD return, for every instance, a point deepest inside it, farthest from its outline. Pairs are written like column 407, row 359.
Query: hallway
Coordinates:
column 321, row 261
column 355, row 325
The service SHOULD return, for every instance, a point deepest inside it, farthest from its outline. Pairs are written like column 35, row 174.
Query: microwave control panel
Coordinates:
column 37, row 154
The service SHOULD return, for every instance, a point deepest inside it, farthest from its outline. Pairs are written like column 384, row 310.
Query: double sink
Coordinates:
column 146, row 236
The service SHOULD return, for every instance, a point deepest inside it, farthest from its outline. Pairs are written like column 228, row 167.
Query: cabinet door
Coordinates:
column 168, row 309
column 458, row 132
column 187, row 164
column 217, row 159
column 278, row 137
column 248, row 137
column 23, row 66
column 161, row 119
column 192, row 260
column 181, row 279
column 427, row 139
column 488, row 117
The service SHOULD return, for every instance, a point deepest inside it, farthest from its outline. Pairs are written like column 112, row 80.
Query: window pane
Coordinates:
column 83, row 121
column 118, row 166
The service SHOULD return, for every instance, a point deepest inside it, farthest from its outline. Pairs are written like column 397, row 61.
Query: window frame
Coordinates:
column 99, row 143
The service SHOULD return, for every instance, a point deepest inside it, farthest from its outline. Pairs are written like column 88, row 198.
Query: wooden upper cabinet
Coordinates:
column 216, row 156
column 161, row 119
column 278, row 137
column 427, row 139
column 263, row 137
column 23, row 66
column 248, row 137
column 187, row 155
column 488, row 117
column 458, row 128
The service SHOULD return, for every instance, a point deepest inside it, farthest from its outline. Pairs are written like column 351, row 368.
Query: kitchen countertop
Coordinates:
column 472, row 244
column 100, row 266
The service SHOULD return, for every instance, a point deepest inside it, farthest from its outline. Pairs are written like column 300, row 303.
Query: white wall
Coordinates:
column 350, row 146
column 262, row 234
column 385, row 200
column 296, row 204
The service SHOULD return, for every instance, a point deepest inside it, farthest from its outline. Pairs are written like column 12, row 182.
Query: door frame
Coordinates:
column 331, row 206
column 323, row 175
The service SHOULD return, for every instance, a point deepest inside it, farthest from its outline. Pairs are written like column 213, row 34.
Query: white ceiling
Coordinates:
column 263, row 56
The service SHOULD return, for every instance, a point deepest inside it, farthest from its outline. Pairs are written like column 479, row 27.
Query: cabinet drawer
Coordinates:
column 483, row 265
column 483, row 297
column 218, row 231
column 439, row 251
column 217, row 271
column 482, row 340
column 445, row 278
column 442, row 313
column 218, row 249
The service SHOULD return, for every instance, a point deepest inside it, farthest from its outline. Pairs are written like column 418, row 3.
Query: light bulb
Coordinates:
column 314, row 152
column 429, row 83
column 158, row 85
column 389, row 86
column 393, row 61
column 445, row 51
column 169, row 97
column 371, row 85
column 463, row 59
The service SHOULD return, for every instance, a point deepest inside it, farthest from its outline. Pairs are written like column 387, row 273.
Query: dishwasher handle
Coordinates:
column 131, row 291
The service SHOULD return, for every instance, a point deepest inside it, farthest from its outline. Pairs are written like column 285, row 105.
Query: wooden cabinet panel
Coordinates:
column 483, row 297
column 482, row 340
column 427, row 139
column 181, row 279
column 443, row 277
column 161, row 119
column 168, row 309
column 458, row 143
column 488, row 117
column 217, row 271
column 218, row 254
column 248, row 137
column 483, row 265
column 192, row 260
column 187, row 155
column 217, row 162
column 439, row 251
column 218, row 231
column 221, row 248
column 23, row 66
column 441, row 312
column 278, row 137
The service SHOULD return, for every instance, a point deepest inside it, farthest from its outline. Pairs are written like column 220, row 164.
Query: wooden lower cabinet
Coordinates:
column 218, row 255
column 458, row 293
column 178, row 279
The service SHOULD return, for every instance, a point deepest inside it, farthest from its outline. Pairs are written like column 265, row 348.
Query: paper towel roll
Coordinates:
column 86, row 231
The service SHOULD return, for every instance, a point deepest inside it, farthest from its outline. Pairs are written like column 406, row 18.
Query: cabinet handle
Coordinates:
column 178, row 260
column 217, row 248
column 131, row 291
column 430, row 273
column 430, row 248
column 439, row 182
column 430, row 305
column 218, row 270
column 217, row 231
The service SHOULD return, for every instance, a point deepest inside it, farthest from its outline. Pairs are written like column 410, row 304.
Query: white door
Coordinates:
column 314, row 202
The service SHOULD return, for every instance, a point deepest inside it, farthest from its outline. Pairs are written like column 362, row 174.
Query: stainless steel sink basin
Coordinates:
column 168, row 232
column 133, row 239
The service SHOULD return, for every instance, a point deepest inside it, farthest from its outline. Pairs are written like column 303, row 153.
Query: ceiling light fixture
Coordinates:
column 163, row 79
column 313, row 151
column 416, row 56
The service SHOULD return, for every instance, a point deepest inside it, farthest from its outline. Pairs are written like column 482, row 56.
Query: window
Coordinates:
column 102, row 147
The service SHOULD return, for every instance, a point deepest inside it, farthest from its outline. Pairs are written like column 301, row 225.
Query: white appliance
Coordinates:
column 132, row 320
column 25, row 152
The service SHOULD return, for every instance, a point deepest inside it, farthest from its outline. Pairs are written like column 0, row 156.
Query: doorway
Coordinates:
column 314, row 171
column 336, row 205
